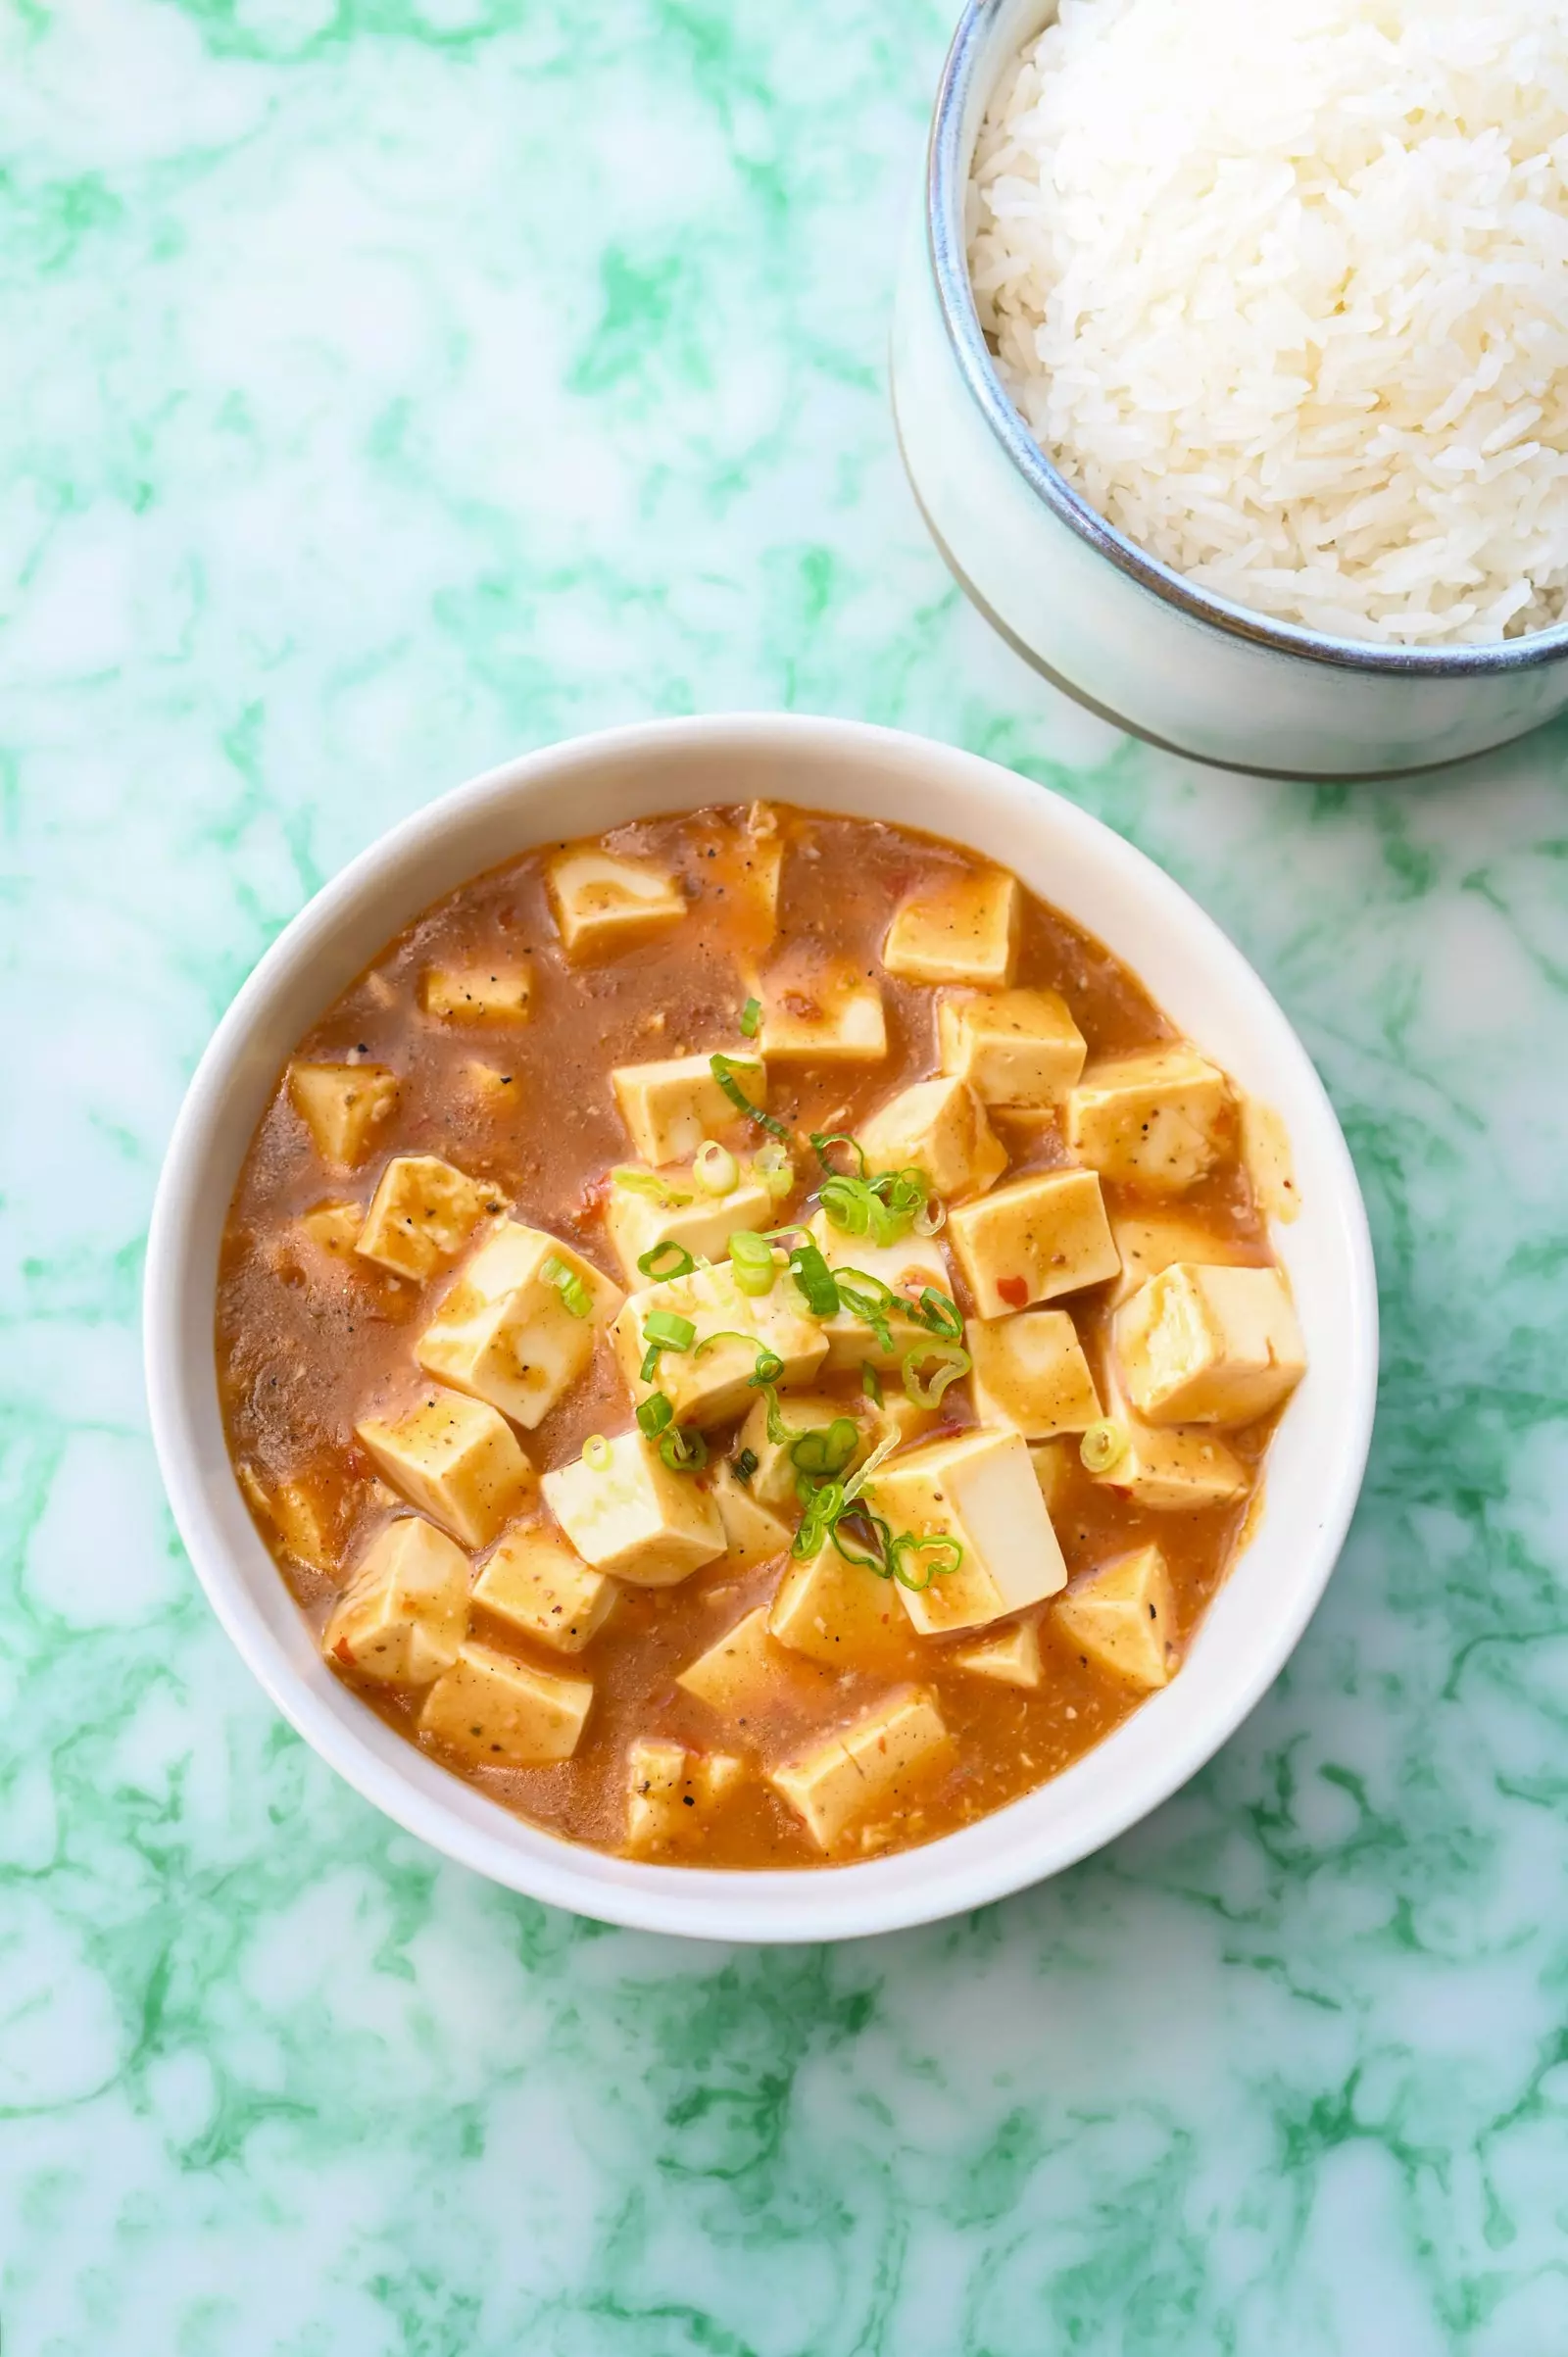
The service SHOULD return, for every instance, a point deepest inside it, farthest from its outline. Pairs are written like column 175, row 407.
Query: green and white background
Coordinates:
column 390, row 386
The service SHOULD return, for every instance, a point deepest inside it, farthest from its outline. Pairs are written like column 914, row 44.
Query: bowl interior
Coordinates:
column 1192, row 970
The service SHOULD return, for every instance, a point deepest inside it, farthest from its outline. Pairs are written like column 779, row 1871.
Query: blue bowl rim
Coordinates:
column 947, row 184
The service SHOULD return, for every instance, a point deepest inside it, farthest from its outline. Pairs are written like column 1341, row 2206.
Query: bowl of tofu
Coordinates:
column 476, row 1590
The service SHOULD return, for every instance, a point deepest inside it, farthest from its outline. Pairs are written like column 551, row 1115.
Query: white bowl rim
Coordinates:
column 947, row 184
column 843, row 1902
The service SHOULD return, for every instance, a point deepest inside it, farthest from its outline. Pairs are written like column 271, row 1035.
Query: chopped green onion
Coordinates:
column 871, row 1384
column 715, row 1169
column 573, row 1293
column 653, row 1415
column 931, row 1217
column 1102, row 1446
column 823, row 1139
column 752, row 1262
column 873, row 1555
column 648, row 1182
column 649, row 1366
column 654, row 1263
column 947, row 1555
column 857, row 1481
column 669, row 1332
column 682, row 1450
column 751, row 1017
column 723, row 1072
column 823, row 1507
column 772, row 1165
column 815, row 1280
column 826, row 1448
column 746, row 1465
column 595, row 1452
column 950, row 1362
column 768, row 1368
column 778, row 1432
column 939, row 1312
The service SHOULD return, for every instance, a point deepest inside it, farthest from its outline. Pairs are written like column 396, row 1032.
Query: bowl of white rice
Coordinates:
column 1230, row 365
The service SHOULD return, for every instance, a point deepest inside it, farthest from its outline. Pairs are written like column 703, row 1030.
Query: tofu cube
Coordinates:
column 774, row 1481
column 333, row 1228
column 839, row 1614
column 1123, row 1618
column 737, row 1676
column 980, row 1489
column 939, row 1126
column 456, row 1460
column 821, row 1013
column 908, row 1267
column 636, row 1218
column 341, row 1106
column 965, row 930
column 604, row 905
column 671, row 1108
column 1209, row 1346
column 422, row 1215
column 872, row 1768
column 1180, row 1469
column 1010, row 1659
column 503, row 1713
column 543, row 1590
column 504, row 1331
column 762, row 868
column 633, row 1517
column 1032, row 1240
column 1030, row 1372
column 477, row 993
column 670, row 1792
column 493, row 1090
column 901, row 1419
column 1014, row 1047
column 304, row 1518
column 1052, row 1466
column 751, row 1534
column 404, row 1614
column 711, row 1381
column 1156, row 1121
column 1150, row 1241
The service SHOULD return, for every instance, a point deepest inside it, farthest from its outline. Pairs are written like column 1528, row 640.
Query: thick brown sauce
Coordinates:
column 308, row 1344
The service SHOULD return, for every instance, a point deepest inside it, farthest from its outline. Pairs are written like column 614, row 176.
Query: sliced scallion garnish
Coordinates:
column 682, row 1449
column 950, row 1361
column 814, row 1278
column 648, row 1182
column 752, row 1262
column 723, row 1071
column 1102, row 1446
column 751, row 1017
column 665, row 1262
column 653, row 1415
column 946, row 1555
column 715, row 1169
column 826, row 1448
column 872, row 1382
column 669, row 1332
column 746, row 1465
column 573, row 1293
column 595, row 1452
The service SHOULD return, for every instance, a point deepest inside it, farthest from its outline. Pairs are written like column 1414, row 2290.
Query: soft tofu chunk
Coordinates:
column 303, row 1517
column 762, row 868
column 711, row 1381
column 940, row 1127
column 342, row 1106
column 1123, row 1618
column 1032, row 1240
column 898, row 1417
column 1156, row 1120
column 839, row 1613
column 1151, row 1241
column 908, row 1267
column 477, row 993
column 422, row 1215
column 1010, row 1659
column 1014, row 1047
column 604, row 905
column 634, row 1518
column 1030, row 1372
column 980, row 1489
column 966, row 930
column 1209, row 1346
column 672, row 1106
column 737, row 1674
column 670, row 1792
column 752, row 1535
column 702, row 1224
column 1174, row 1470
column 504, row 1331
column 542, row 1589
column 404, row 1614
column 456, row 1460
column 821, row 1013
column 773, row 1481
column 503, row 1713
column 334, row 1227
column 1052, row 1466
column 871, row 1768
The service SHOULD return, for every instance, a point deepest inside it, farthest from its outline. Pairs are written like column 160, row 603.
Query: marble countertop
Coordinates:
column 392, row 385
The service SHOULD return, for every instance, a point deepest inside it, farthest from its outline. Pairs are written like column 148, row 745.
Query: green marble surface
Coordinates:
column 391, row 385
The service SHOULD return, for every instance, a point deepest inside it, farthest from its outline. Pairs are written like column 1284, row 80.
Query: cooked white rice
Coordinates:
column 1282, row 287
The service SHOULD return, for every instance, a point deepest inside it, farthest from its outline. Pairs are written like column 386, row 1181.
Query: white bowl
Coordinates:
column 1193, row 971
column 1099, row 615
